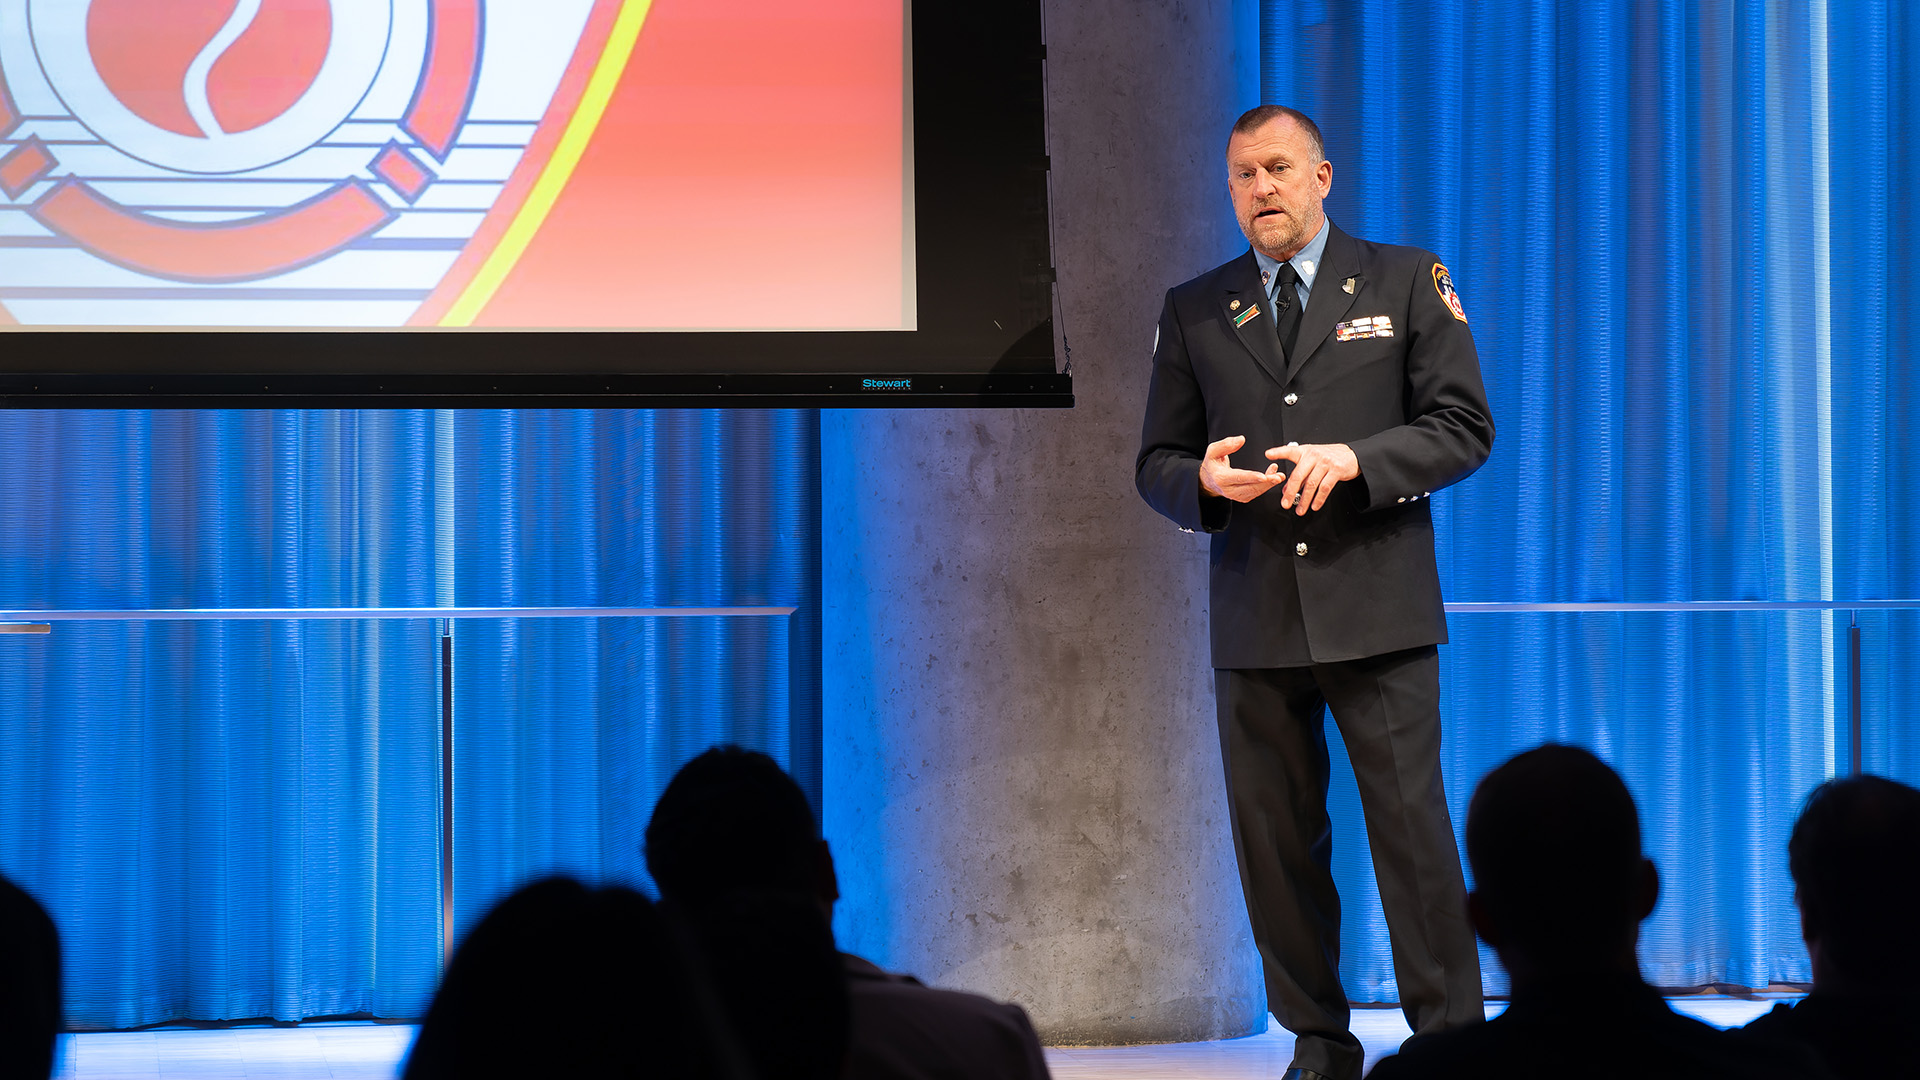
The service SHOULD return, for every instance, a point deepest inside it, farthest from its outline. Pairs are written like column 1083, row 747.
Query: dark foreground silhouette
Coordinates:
column 1855, row 860
column 731, row 824
column 30, row 1019
column 561, row 980
column 1560, row 889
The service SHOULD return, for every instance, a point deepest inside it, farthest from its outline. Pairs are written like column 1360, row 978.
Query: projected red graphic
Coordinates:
column 242, row 251
column 213, row 69
column 446, row 87
column 748, row 174
column 161, row 60
column 725, row 164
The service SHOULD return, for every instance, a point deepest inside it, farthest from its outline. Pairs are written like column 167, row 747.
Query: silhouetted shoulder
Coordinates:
column 1853, row 1037
column 904, row 1030
column 1607, row 1039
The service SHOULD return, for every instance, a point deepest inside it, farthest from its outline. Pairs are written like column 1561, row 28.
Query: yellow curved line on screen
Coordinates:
column 553, row 179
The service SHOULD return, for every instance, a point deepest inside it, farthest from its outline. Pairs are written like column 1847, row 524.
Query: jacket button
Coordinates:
column 1292, row 399
column 1300, row 548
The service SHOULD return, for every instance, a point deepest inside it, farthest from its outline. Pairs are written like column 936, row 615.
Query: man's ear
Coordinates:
column 1809, row 932
column 1646, row 891
column 826, row 881
column 1483, row 923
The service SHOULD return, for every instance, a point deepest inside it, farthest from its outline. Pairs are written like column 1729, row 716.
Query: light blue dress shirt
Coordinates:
column 1306, row 264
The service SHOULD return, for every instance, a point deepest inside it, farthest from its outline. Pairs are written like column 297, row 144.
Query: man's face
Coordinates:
column 1277, row 185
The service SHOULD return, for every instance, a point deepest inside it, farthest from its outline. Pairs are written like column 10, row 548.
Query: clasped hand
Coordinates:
column 1317, row 468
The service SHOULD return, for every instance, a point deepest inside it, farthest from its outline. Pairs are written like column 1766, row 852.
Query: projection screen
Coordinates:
column 564, row 194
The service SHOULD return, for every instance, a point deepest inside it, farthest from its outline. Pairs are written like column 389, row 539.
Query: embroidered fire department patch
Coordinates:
column 1443, row 284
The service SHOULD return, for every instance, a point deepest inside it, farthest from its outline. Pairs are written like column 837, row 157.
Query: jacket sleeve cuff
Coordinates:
column 1215, row 512
column 1381, row 489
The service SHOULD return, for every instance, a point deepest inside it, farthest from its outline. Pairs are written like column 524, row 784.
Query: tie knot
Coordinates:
column 1284, row 281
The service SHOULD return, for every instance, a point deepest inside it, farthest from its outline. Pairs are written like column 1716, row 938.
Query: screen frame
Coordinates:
column 984, row 284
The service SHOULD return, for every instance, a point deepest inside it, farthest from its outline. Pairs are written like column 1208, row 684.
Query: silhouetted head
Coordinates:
column 1855, row 860
column 562, row 980
column 1559, row 882
column 731, row 820
column 733, row 844
column 30, row 1019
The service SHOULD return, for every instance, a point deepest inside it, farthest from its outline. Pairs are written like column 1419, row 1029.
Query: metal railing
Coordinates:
column 41, row 622
column 1853, row 608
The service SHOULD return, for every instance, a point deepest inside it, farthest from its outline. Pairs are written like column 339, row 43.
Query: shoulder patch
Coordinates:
column 1443, row 284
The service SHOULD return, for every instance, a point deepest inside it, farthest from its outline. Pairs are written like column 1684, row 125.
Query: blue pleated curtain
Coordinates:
column 1680, row 231
column 241, row 819
column 569, row 729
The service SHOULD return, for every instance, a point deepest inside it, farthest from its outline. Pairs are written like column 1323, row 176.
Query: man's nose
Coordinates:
column 1263, row 182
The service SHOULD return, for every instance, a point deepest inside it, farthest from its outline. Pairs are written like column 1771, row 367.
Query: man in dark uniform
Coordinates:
column 1343, row 373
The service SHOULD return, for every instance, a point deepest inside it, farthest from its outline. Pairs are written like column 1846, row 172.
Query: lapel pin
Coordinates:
column 1235, row 306
column 1348, row 287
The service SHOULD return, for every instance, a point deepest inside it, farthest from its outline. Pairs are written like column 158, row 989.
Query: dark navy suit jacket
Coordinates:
column 1356, row 578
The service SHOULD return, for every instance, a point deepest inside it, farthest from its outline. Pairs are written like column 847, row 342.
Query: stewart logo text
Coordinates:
column 349, row 163
column 886, row 384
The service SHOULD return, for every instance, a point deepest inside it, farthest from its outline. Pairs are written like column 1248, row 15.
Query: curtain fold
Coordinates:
column 1676, row 229
column 569, row 729
column 226, row 819
column 233, row 820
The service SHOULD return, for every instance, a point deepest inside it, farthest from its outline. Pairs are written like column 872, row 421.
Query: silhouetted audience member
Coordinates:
column 778, row 981
column 768, row 939
column 731, row 822
column 1560, row 888
column 30, row 1018
column 1855, row 860
column 559, row 980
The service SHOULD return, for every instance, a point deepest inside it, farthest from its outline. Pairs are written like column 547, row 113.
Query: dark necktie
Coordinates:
column 1286, row 319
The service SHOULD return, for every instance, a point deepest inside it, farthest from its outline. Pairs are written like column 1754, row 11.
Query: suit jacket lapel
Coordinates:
column 1258, row 333
column 1330, row 301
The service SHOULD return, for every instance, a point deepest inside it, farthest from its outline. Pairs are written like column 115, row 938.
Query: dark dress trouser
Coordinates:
column 1273, row 744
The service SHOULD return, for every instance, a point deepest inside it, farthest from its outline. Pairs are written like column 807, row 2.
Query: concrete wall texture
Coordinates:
column 1022, row 778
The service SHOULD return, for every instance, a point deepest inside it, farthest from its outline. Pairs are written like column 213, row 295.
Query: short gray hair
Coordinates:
column 1261, row 115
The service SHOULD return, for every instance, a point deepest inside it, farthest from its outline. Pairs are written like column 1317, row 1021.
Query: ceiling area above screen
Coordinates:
column 575, row 202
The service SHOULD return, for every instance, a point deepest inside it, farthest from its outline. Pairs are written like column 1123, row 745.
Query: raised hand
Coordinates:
column 1317, row 467
column 1219, row 477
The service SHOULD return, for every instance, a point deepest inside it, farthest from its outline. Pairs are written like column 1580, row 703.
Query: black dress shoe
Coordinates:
column 1297, row 1073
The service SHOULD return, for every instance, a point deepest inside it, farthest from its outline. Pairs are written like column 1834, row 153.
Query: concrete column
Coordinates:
column 1022, row 777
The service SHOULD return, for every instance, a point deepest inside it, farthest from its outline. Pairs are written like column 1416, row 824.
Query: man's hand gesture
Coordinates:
column 1219, row 477
column 1317, row 467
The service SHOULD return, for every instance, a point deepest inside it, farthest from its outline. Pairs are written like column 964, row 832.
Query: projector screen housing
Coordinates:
column 977, row 260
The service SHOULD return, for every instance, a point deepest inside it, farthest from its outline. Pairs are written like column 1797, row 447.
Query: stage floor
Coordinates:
column 353, row 1051
column 1266, row 1056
